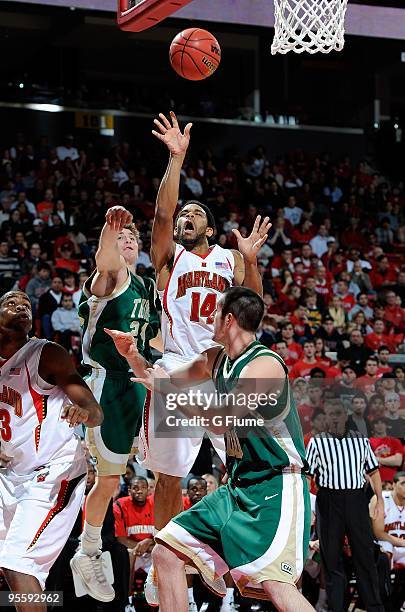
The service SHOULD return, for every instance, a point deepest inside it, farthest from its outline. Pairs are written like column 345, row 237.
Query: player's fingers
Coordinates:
column 142, row 381
column 256, row 224
column 160, row 125
column 237, row 233
column 158, row 135
column 128, row 218
column 173, row 117
column 165, row 121
column 259, row 243
column 187, row 130
column 264, row 223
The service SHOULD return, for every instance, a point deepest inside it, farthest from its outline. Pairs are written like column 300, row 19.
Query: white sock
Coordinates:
column 190, row 595
column 321, row 597
column 91, row 539
column 229, row 596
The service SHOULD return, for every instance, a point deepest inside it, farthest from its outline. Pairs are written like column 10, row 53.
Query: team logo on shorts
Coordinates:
column 287, row 568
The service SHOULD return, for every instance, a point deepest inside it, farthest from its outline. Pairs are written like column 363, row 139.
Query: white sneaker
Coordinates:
column 91, row 571
column 151, row 588
column 192, row 606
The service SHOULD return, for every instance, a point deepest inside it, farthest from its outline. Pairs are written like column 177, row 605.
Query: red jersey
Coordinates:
column 132, row 521
column 302, row 368
column 294, row 350
column 366, row 383
column 186, row 502
column 373, row 341
column 386, row 447
column 396, row 316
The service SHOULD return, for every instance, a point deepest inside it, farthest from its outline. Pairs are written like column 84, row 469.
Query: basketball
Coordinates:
column 195, row 54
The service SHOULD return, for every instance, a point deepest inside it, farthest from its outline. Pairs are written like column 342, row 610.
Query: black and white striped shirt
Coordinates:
column 341, row 462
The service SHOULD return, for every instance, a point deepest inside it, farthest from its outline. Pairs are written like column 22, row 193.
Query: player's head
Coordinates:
column 196, row 489
column 239, row 309
column 139, row 490
column 399, row 485
column 15, row 312
column 128, row 243
column 195, row 223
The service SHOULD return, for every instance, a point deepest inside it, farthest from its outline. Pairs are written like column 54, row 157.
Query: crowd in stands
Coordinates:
column 333, row 266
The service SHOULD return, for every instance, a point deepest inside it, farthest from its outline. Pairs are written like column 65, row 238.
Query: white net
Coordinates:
column 315, row 26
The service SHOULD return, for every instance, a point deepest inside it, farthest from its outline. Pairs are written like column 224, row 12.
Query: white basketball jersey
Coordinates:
column 31, row 429
column 394, row 523
column 190, row 298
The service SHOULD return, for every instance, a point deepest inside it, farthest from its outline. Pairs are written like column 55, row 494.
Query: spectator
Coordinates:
column 9, row 267
column 395, row 422
column 47, row 304
column 66, row 260
column 67, row 150
column 366, row 383
column 358, row 420
column 377, row 337
column 383, row 360
column 387, row 449
column 212, row 483
column 319, row 244
column 38, row 285
column 354, row 351
column 361, row 306
column 308, row 361
column 292, row 212
column 66, row 322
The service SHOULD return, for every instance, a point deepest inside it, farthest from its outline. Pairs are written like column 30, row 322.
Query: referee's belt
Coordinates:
column 246, row 482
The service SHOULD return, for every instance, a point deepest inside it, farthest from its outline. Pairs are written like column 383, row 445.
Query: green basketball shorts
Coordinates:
column 122, row 402
column 258, row 533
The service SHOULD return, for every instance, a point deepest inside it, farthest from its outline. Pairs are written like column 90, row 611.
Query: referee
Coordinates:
column 339, row 460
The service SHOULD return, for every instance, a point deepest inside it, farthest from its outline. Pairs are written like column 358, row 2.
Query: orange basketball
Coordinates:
column 195, row 54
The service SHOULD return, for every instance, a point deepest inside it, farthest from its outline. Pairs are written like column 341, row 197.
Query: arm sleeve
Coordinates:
column 371, row 463
column 120, row 531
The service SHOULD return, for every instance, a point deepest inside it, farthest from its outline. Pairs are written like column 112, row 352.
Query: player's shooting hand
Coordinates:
column 170, row 133
column 117, row 217
column 75, row 415
column 4, row 460
column 251, row 245
column 125, row 342
column 151, row 376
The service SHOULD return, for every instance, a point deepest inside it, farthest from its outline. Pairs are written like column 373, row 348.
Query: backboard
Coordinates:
column 138, row 15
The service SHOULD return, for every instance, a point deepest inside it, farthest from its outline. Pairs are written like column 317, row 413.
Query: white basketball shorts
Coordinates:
column 37, row 514
column 175, row 454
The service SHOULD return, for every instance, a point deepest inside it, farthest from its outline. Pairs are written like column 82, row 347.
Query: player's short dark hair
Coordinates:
column 398, row 475
column 245, row 305
column 12, row 292
column 208, row 212
column 383, row 347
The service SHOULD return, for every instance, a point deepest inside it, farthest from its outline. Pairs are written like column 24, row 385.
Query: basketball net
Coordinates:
column 314, row 26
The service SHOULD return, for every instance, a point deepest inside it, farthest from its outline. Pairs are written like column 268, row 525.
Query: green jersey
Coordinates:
column 131, row 308
column 256, row 452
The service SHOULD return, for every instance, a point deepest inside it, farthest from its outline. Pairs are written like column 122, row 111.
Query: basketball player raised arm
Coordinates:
column 163, row 246
column 112, row 269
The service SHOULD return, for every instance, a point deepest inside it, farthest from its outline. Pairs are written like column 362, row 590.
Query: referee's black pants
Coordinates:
column 340, row 513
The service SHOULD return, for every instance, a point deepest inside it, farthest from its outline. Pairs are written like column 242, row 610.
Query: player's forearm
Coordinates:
column 252, row 279
column 96, row 415
column 168, row 193
column 107, row 257
column 138, row 365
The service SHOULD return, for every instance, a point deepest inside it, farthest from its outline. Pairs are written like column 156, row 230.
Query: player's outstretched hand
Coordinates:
column 250, row 246
column 4, row 460
column 75, row 415
column 170, row 134
column 125, row 342
column 151, row 376
column 117, row 217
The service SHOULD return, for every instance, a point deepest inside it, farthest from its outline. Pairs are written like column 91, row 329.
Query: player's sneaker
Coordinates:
column 192, row 606
column 151, row 588
column 91, row 571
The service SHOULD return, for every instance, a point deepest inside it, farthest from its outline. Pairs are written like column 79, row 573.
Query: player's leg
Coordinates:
column 286, row 597
column 24, row 583
column 172, row 580
column 47, row 504
column 110, row 445
column 168, row 499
